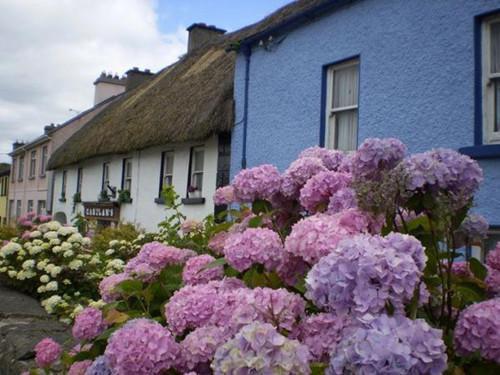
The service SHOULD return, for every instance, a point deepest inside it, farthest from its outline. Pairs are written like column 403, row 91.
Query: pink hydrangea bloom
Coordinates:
column 316, row 236
column 142, row 347
column 478, row 330
column 216, row 243
column 260, row 182
column 89, row 324
column 343, row 199
column 291, row 269
column 493, row 258
column 153, row 257
column 47, row 352
column 191, row 225
column 321, row 333
column 199, row 346
column 224, row 195
column 316, row 193
column 298, row 173
column 254, row 246
column 108, row 284
column 493, row 281
column 194, row 272
column 332, row 159
column 79, row 368
column 461, row 269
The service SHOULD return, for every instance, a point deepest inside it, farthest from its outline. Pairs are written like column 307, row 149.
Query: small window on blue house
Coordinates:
column 342, row 106
column 491, row 79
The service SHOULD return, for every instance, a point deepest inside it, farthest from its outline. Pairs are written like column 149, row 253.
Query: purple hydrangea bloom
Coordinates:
column 194, row 306
column 343, row 199
column 321, row 333
column 194, row 272
column 364, row 273
column 316, row 193
column 224, row 195
column 108, row 284
column 376, row 155
column 153, row 257
column 390, row 345
column 276, row 306
column 254, row 246
column 316, row 236
column 443, row 170
column 331, row 159
column 47, row 352
column 475, row 227
column 89, row 324
column 199, row 346
column 259, row 349
column 291, row 269
column 100, row 366
column 216, row 243
column 493, row 258
column 478, row 330
column 461, row 269
column 142, row 347
column 492, row 281
column 298, row 173
column 80, row 368
column 260, row 182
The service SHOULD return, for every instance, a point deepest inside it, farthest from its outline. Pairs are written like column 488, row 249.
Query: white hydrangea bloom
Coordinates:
column 75, row 264
column 3, row 269
column 117, row 264
column 67, row 231
column 113, row 243
column 12, row 274
column 38, row 242
column 22, row 253
column 51, row 303
column 86, row 241
column 10, row 249
column 55, row 242
column 45, row 246
column 35, row 250
column 30, row 263
column 35, row 234
column 52, row 286
column 97, row 304
column 109, row 252
column 66, row 246
column 53, row 225
column 68, row 253
column 49, row 267
column 55, row 271
column 75, row 237
column 57, row 249
column 95, row 260
column 44, row 279
column 43, row 228
column 41, row 289
column 52, row 235
column 66, row 282
column 41, row 265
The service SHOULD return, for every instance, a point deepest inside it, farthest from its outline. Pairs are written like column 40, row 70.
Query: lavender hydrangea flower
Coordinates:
column 254, row 246
column 331, row 159
column 275, row 306
column 291, row 269
column 194, row 272
column 216, row 243
column 298, row 173
column 47, row 352
column 316, row 236
column 376, row 155
column 321, row 333
column 89, row 324
column 316, row 193
column 259, row 349
column 478, row 330
column 100, row 366
column 493, row 258
column 390, row 345
column 153, row 257
column 108, row 284
column 141, row 347
column 80, row 368
column 365, row 273
column 224, row 195
column 492, row 282
column 474, row 227
column 198, row 348
column 343, row 199
column 260, row 182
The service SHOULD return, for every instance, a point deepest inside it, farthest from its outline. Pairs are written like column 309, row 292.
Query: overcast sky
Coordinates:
column 51, row 51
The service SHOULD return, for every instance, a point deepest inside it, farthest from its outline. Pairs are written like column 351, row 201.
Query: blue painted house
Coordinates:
column 336, row 72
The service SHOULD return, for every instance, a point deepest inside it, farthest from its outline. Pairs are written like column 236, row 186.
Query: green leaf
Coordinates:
column 261, row 206
column 215, row 263
column 254, row 278
column 130, row 287
column 432, row 281
column 255, row 222
column 318, row 368
column 478, row 269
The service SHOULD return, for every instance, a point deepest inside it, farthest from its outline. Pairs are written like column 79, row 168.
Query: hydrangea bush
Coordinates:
column 342, row 264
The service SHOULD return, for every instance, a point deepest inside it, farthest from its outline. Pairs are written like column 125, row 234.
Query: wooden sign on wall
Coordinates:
column 105, row 211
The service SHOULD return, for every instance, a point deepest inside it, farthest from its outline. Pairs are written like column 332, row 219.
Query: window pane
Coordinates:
column 197, row 181
column 495, row 47
column 167, row 180
column 496, row 125
column 345, row 86
column 169, row 163
column 198, row 160
column 346, row 124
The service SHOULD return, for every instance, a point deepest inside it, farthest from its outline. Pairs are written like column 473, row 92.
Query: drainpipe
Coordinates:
column 247, row 51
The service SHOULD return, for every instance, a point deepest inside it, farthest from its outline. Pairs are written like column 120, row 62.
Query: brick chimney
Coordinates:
column 108, row 85
column 135, row 77
column 17, row 144
column 201, row 34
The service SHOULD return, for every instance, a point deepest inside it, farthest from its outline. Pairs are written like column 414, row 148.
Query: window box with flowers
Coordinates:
column 124, row 196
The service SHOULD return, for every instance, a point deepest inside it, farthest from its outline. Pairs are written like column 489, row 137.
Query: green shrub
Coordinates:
column 7, row 232
column 122, row 232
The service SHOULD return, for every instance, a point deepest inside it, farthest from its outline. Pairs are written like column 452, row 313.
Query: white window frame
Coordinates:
column 488, row 79
column 330, row 140
column 32, row 164
column 194, row 172
column 64, row 183
column 41, row 209
column 20, row 168
column 167, row 176
column 43, row 164
column 127, row 174
column 30, row 206
column 105, row 176
column 79, row 180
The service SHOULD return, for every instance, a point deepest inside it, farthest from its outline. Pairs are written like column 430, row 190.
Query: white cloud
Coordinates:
column 52, row 51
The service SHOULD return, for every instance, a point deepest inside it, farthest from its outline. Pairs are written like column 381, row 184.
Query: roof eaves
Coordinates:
column 293, row 22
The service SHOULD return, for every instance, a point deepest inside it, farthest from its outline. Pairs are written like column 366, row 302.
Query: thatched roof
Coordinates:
column 189, row 100
column 4, row 169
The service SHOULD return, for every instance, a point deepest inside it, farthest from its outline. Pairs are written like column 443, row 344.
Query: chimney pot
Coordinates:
column 108, row 85
column 201, row 34
column 135, row 77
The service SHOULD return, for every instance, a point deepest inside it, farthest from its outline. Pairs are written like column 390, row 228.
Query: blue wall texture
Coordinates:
column 416, row 82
